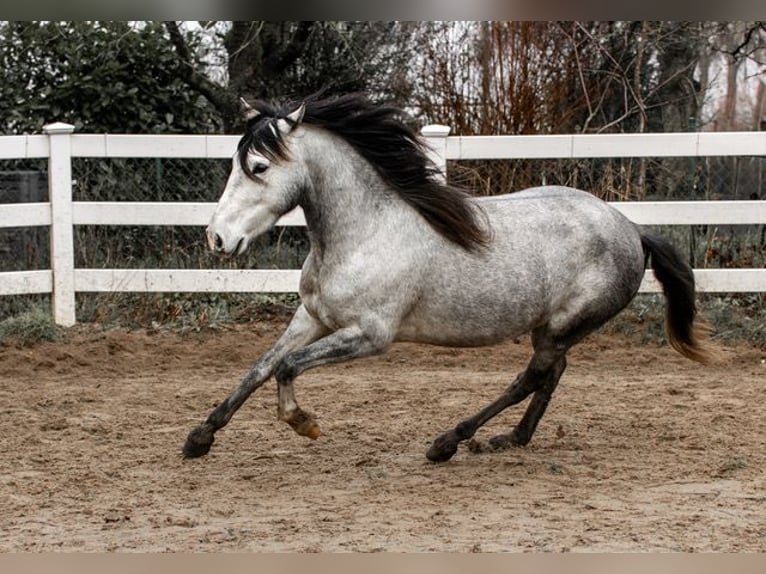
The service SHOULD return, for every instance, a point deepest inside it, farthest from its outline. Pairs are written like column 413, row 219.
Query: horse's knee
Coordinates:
column 286, row 371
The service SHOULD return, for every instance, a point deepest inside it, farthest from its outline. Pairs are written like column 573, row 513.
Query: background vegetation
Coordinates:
column 492, row 77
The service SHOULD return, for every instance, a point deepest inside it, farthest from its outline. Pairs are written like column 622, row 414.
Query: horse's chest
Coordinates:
column 316, row 295
column 328, row 315
column 339, row 295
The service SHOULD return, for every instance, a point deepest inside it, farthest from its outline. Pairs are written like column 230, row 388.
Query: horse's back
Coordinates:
column 554, row 221
column 545, row 203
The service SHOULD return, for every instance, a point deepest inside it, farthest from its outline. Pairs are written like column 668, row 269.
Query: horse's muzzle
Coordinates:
column 217, row 243
column 214, row 241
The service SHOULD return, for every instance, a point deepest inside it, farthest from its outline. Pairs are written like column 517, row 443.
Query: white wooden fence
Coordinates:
column 60, row 145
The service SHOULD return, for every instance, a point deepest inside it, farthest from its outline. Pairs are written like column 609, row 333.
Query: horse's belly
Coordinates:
column 485, row 323
column 448, row 336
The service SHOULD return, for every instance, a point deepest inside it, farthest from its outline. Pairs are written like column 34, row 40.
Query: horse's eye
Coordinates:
column 260, row 168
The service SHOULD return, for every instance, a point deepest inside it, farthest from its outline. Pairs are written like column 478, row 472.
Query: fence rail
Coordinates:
column 59, row 145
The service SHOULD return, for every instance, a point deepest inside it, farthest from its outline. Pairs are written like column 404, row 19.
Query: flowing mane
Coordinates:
column 397, row 152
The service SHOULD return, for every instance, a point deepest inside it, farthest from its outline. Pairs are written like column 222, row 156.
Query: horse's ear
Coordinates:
column 297, row 115
column 293, row 119
column 248, row 111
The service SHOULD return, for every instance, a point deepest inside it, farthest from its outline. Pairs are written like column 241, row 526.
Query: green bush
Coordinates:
column 29, row 328
column 183, row 312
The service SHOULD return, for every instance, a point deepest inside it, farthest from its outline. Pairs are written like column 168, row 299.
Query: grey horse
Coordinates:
column 398, row 255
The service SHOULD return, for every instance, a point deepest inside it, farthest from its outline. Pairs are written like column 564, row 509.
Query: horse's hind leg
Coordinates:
column 546, row 365
column 553, row 340
column 523, row 432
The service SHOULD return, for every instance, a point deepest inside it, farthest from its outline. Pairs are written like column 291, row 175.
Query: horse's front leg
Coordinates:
column 302, row 330
column 342, row 345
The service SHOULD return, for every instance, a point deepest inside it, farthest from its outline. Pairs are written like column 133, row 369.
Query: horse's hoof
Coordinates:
column 314, row 432
column 304, row 424
column 495, row 444
column 198, row 442
column 478, row 446
column 441, row 450
column 505, row 441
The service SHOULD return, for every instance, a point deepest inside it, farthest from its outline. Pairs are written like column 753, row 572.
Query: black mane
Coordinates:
column 398, row 153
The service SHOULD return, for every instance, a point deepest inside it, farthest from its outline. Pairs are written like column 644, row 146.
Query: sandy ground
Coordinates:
column 641, row 450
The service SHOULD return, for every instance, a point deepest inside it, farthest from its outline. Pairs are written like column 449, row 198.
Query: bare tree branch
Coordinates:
column 608, row 55
column 739, row 50
column 291, row 50
column 213, row 92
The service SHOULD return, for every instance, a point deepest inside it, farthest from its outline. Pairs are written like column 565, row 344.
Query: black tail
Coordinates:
column 677, row 279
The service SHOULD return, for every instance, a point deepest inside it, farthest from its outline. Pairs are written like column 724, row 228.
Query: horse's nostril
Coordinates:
column 218, row 242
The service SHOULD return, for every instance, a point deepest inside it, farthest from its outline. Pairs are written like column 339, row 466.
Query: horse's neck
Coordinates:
column 347, row 200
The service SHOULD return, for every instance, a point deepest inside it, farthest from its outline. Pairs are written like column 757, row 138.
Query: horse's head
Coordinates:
column 263, row 184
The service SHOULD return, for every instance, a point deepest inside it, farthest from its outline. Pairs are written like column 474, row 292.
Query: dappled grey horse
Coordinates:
column 397, row 255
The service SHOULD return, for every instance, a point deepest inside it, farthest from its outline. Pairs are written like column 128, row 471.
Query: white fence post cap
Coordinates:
column 435, row 131
column 58, row 128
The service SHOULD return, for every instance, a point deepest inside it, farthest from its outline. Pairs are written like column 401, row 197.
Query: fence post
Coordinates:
column 436, row 137
column 62, row 229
